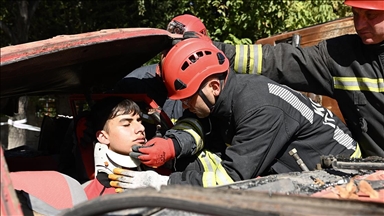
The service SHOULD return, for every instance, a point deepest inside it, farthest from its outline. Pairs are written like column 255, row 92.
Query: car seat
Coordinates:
column 47, row 192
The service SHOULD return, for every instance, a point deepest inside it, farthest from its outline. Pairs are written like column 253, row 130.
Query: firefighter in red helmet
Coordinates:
column 255, row 122
column 145, row 79
column 348, row 68
column 188, row 75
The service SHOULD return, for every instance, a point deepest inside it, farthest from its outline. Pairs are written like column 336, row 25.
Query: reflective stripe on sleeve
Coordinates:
column 258, row 57
column 359, row 84
column 248, row 59
column 173, row 120
column 214, row 173
column 357, row 153
column 344, row 139
column 239, row 59
column 193, row 127
column 293, row 100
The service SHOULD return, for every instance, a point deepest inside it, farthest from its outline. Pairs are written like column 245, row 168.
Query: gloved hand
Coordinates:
column 123, row 179
column 155, row 152
column 191, row 34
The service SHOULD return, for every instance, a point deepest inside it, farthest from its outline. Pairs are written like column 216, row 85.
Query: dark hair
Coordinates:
column 109, row 108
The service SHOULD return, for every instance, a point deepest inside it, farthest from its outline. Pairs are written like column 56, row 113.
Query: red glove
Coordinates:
column 155, row 152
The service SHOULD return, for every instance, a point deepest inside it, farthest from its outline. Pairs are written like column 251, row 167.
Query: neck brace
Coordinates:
column 106, row 160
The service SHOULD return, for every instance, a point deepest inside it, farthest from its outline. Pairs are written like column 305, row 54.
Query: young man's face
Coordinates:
column 369, row 25
column 124, row 131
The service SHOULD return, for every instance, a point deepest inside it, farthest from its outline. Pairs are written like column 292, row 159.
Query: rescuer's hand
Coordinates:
column 190, row 34
column 127, row 179
column 156, row 152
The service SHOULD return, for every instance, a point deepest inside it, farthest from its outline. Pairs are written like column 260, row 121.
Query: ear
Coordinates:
column 102, row 137
column 215, row 86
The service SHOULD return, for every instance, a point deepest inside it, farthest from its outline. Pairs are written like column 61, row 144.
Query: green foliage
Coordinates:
column 7, row 11
column 235, row 41
column 228, row 20
column 231, row 21
column 306, row 13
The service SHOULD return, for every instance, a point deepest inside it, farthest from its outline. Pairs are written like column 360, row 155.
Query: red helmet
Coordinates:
column 188, row 64
column 366, row 4
column 186, row 22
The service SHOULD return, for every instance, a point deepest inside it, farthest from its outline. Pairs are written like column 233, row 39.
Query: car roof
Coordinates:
column 78, row 63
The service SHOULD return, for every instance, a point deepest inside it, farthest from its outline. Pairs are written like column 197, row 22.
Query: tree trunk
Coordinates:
column 19, row 34
column 16, row 136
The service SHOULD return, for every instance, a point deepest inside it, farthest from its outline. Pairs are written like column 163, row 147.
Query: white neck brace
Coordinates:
column 106, row 160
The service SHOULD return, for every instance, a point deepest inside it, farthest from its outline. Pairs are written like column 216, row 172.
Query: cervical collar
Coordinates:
column 106, row 160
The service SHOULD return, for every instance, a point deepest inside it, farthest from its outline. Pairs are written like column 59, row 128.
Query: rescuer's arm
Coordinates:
column 304, row 69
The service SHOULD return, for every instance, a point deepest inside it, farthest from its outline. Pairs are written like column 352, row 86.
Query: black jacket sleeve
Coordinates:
column 304, row 69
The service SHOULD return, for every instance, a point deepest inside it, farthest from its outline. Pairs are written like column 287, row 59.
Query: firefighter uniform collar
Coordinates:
column 376, row 47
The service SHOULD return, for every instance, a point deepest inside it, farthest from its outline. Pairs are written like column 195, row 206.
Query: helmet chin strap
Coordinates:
column 206, row 101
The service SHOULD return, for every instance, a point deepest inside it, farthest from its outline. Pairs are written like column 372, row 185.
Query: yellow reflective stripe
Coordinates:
column 259, row 58
column 198, row 139
column 246, row 55
column 240, row 57
column 173, row 120
column 248, row 59
column 194, row 123
column 214, row 173
column 255, row 58
column 208, row 179
column 194, row 128
column 357, row 153
column 359, row 84
column 252, row 56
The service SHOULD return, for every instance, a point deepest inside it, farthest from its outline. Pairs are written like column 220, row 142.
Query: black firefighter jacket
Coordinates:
column 256, row 122
column 343, row 68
